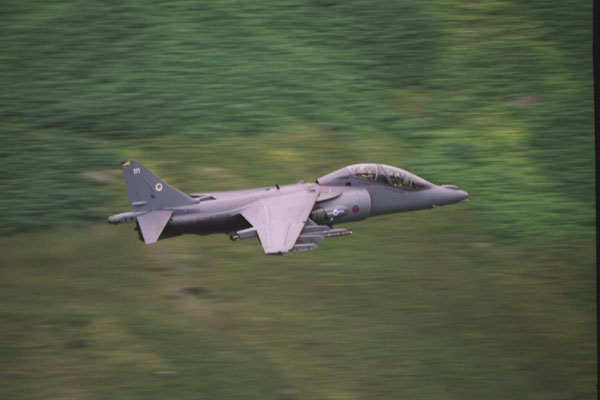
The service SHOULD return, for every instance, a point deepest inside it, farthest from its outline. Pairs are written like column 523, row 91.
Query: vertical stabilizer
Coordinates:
column 147, row 192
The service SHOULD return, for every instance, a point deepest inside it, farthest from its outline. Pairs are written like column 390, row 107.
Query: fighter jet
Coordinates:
column 285, row 218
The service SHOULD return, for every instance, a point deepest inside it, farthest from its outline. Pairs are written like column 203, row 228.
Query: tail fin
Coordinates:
column 147, row 192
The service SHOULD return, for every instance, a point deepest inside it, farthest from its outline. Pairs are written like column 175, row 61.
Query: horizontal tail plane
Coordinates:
column 152, row 224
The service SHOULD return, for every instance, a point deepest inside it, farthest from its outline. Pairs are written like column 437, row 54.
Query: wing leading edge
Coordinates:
column 279, row 220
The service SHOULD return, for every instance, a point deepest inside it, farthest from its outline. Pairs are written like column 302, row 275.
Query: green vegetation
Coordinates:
column 490, row 299
column 493, row 96
column 384, row 313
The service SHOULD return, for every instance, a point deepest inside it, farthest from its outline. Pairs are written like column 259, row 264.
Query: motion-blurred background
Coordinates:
column 488, row 299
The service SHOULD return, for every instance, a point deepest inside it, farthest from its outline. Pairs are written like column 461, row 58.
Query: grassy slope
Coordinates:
column 494, row 96
column 381, row 314
column 493, row 299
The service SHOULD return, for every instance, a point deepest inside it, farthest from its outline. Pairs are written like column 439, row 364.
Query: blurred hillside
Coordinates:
column 491, row 299
column 495, row 97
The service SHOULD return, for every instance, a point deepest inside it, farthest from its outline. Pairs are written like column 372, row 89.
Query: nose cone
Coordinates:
column 464, row 196
column 449, row 194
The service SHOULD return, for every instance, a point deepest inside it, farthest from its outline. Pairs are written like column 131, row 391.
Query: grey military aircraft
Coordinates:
column 284, row 218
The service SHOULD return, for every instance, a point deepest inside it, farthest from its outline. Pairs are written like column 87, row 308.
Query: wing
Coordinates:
column 279, row 220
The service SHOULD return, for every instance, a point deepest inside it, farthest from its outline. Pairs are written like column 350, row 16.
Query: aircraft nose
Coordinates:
column 449, row 194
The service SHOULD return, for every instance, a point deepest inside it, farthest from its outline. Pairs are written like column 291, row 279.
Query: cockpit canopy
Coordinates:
column 380, row 173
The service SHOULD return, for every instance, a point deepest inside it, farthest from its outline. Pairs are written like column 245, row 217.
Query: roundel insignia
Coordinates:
column 355, row 209
column 158, row 187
